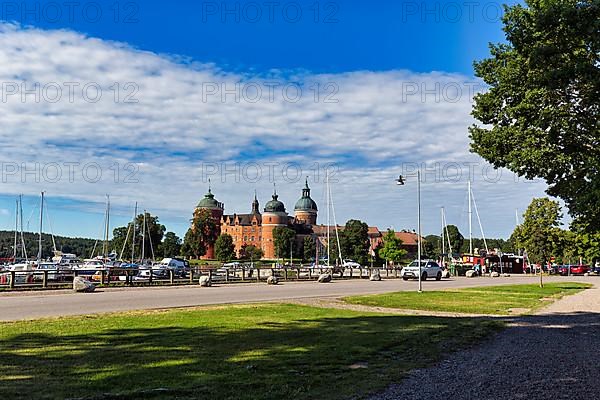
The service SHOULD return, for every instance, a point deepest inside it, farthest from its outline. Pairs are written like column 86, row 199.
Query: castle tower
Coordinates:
column 274, row 215
column 215, row 208
column 305, row 210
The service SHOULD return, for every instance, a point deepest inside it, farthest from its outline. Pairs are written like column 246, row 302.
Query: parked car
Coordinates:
column 573, row 269
column 350, row 264
column 429, row 269
column 179, row 267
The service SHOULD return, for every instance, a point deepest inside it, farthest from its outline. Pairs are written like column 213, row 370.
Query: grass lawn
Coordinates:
column 496, row 300
column 269, row 351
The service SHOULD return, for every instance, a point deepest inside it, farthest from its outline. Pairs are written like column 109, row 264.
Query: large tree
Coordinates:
column 391, row 250
column 202, row 234
column 540, row 234
column 456, row 238
column 149, row 237
column 541, row 113
column 224, row 248
column 356, row 243
column 251, row 252
column 170, row 246
column 309, row 250
column 283, row 240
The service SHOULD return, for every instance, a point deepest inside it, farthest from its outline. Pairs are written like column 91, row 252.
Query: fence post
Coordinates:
column 257, row 274
column 310, row 273
column 226, row 274
column 210, row 275
column 285, row 274
column 150, row 277
column 191, row 274
column 102, row 273
column 45, row 280
column 171, row 276
column 243, row 274
column 12, row 279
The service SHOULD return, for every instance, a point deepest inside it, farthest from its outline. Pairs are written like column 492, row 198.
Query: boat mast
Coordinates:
column 133, row 234
column 144, row 238
column 106, row 227
column 442, row 240
column 328, row 217
column 39, row 257
column 337, row 236
column 24, row 250
column 470, row 221
column 16, row 230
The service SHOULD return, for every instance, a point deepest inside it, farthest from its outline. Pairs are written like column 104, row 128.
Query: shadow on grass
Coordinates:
column 260, row 352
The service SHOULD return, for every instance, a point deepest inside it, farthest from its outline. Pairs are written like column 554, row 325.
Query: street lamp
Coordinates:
column 400, row 181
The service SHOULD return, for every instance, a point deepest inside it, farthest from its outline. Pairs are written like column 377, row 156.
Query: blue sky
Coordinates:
column 373, row 88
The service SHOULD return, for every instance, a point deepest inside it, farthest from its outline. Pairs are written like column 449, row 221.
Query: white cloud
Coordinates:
column 378, row 123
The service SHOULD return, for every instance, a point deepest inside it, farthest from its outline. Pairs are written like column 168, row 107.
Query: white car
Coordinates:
column 350, row 264
column 429, row 269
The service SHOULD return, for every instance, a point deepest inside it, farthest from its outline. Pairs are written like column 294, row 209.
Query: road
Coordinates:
column 32, row 305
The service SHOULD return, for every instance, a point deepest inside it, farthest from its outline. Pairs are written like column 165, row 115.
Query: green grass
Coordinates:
column 235, row 352
column 496, row 300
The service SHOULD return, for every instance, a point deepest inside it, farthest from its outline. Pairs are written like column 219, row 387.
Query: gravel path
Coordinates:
column 553, row 355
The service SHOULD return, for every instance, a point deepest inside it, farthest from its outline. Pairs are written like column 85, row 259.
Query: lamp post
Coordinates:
column 400, row 181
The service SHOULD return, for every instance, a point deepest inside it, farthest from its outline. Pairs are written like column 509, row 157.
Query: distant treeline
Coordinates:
column 81, row 246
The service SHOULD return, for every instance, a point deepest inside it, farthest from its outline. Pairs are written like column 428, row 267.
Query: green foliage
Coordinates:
column 224, row 248
column 283, row 239
column 82, row 247
column 541, row 115
column 250, row 252
column 193, row 246
column 392, row 248
column 202, row 233
column 355, row 243
column 456, row 238
column 154, row 235
column 539, row 234
column 309, row 250
column 170, row 246
column 432, row 246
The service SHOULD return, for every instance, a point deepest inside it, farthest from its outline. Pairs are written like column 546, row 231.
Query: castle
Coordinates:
column 256, row 228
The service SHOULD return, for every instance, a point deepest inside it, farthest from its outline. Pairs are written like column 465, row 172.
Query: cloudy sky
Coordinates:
column 147, row 102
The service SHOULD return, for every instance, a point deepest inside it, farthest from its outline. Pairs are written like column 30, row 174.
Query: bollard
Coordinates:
column 150, row 277
column 310, row 273
column 226, row 274
column 257, row 274
column 171, row 276
column 243, row 274
column 12, row 279
column 285, row 274
column 210, row 274
column 45, row 280
column 102, row 273
column 191, row 275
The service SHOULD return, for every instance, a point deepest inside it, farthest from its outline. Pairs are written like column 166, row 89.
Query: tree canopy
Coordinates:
column 224, row 248
column 392, row 250
column 355, row 243
column 283, row 240
column 541, row 114
column 202, row 233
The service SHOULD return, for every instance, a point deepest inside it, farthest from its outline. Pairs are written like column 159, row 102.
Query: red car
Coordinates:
column 573, row 269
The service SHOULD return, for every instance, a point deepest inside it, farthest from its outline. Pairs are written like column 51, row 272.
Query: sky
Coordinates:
column 148, row 101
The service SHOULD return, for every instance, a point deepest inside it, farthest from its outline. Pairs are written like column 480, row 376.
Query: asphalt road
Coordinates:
column 32, row 305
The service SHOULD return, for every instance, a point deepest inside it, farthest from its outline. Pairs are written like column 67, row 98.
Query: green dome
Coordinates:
column 306, row 203
column 209, row 201
column 274, row 205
